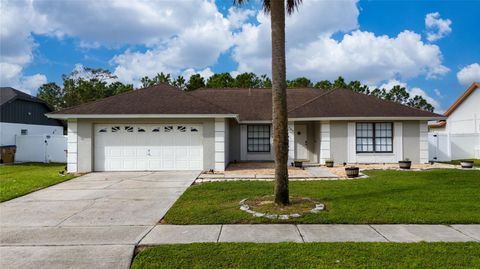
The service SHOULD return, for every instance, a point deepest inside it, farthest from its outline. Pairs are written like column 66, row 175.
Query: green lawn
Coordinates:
column 311, row 255
column 476, row 162
column 435, row 196
column 20, row 179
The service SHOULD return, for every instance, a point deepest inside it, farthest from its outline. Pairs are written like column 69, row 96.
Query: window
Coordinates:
column 129, row 129
column 24, row 132
column 156, row 130
column 193, row 129
column 374, row 137
column 103, row 130
column 140, row 130
column 258, row 138
column 115, row 129
column 168, row 129
column 181, row 129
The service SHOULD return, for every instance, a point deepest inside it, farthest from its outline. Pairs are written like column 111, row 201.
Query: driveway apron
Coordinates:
column 93, row 221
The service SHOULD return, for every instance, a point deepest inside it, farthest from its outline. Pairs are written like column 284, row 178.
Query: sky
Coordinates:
column 430, row 47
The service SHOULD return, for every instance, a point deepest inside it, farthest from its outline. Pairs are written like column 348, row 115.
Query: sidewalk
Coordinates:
column 271, row 233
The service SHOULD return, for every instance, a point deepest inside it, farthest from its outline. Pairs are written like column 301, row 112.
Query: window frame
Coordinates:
column 259, row 138
column 374, row 137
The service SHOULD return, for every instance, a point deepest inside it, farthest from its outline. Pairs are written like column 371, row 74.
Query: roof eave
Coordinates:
column 368, row 118
column 136, row 116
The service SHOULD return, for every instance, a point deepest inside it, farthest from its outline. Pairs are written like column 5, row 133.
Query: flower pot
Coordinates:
column 466, row 164
column 329, row 163
column 352, row 171
column 405, row 164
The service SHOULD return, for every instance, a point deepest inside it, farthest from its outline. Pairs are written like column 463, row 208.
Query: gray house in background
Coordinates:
column 165, row 128
column 23, row 114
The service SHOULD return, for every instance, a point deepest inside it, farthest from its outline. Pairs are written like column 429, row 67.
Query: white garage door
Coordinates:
column 131, row 147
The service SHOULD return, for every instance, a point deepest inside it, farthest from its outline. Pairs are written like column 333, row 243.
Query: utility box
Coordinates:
column 7, row 154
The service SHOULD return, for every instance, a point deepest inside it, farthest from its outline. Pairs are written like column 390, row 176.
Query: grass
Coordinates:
column 476, row 162
column 20, row 179
column 311, row 255
column 444, row 196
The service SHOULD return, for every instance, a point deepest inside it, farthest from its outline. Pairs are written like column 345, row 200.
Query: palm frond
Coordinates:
column 292, row 5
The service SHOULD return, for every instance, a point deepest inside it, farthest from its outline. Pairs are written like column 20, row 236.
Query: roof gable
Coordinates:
column 9, row 94
column 462, row 98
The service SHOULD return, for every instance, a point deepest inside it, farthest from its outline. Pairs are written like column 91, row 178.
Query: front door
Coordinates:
column 301, row 142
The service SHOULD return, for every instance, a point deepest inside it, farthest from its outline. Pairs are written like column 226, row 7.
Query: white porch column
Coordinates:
column 423, row 147
column 220, row 144
column 72, row 138
column 324, row 141
column 291, row 142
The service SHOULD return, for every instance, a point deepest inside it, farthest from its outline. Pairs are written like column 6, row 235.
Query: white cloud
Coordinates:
column 469, row 74
column 436, row 27
column 412, row 91
column 205, row 73
column 18, row 19
column 438, row 93
column 314, row 53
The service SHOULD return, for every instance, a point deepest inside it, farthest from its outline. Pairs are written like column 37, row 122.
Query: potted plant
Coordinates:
column 329, row 163
column 466, row 164
column 352, row 171
column 405, row 164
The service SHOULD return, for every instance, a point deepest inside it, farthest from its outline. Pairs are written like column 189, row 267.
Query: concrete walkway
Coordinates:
column 271, row 233
column 93, row 221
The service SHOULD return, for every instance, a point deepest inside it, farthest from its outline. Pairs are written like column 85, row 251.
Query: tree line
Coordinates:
column 89, row 84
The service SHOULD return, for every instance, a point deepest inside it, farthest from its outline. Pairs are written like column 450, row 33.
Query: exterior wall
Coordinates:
column 234, row 141
column 411, row 140
column 81, row 140
column 339, row 141
column 221, row 144
column 465, row 119
column 325, row 141
column 27, row 112
column 423, row 141
column 72, row 157
column 8, row 131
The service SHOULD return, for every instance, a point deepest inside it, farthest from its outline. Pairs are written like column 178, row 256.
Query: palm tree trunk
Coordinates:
column 279, row 101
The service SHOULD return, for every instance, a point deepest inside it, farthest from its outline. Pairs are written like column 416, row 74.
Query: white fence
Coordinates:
column 41, row 148
column 446, row 147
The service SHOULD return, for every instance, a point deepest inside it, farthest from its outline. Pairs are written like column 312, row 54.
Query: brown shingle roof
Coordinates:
column 160, row 99
column 346, row 103
column 254, row 104
column 249, row 104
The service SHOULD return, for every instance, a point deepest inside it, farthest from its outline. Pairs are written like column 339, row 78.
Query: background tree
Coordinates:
column 156, row 80
column 180, row 83
column 52, row 94
column 220, row 80
column 300, row 82
column 279, row 93
column 195, row 82
column 81, row 86
column 247, row 80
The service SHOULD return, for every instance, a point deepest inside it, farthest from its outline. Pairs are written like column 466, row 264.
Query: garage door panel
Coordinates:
column 131, row 147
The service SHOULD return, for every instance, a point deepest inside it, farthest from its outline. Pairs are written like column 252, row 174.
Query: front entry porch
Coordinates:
column 309, row 142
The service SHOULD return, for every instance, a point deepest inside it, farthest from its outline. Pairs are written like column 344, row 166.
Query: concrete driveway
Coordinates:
column 93, row 221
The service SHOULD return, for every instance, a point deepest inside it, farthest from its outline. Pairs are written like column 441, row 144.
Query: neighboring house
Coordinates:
column 23, row 114
column 458, row 137
column 165, row 128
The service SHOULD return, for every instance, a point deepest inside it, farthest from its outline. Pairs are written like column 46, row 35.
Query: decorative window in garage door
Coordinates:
column 115, row 129
column 103, row 130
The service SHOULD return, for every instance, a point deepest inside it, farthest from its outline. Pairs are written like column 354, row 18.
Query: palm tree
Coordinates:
column 277, row 8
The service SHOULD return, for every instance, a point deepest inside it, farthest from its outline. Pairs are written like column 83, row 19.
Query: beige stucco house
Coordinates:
column 165, row 128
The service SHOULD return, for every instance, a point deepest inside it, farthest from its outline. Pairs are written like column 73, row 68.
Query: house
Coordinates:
column 165, row 128
column 458, row 137
column 23, row 114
